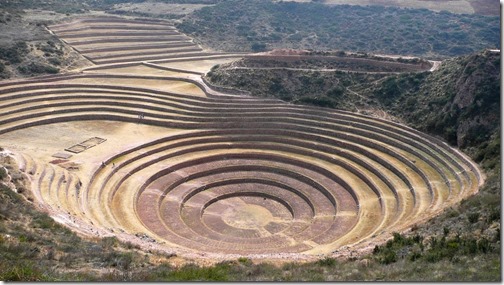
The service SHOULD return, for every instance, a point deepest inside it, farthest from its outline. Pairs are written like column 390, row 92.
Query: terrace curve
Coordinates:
column 242, row 175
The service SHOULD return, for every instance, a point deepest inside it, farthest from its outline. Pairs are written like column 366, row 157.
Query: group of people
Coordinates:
column 103, row 164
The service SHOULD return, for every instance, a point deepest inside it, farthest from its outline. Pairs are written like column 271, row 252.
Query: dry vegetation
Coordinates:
column 483, row 7
column 263, row 25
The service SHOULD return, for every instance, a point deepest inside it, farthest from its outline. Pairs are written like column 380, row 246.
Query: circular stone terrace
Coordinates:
column 140, row 147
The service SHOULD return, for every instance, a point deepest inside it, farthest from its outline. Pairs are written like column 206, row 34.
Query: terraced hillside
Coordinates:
column 105, row 40
column 214, row 172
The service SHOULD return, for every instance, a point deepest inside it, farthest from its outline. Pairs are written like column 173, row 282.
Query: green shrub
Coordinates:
column 109, row 242
column 473, row 217
column 245, row 261
column 37, row 68
column 21, row 271
column 335, row 92
column 26, row 238
column 415, row 255
column 389, row 257
column 318, row 101
column 14, row 53
column 483, row 245
column 495, row 215
column 3, row 173
column 446, row 231
column 192, row 272
column 328, row 261
column 118, row 259
column 258, row 47
column 43, row 221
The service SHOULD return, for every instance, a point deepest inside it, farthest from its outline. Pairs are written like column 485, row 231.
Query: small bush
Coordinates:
column 21, row 271
column 244, row 261
column 191, row 272
column 54, row 61
column 415, row 255
column 389, row 257
column 117, row 259
column 37, row 68
column 43, row 221
column 26, row 238
column 446, row 231
column 328, row 261
column 483, row 245
column 473, row 217
column 257, row 47
column 318, row 101
column 3, row 173
column 494, row 215
column 109, row 242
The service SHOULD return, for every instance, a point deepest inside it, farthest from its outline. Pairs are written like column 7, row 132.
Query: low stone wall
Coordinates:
column 225, row 89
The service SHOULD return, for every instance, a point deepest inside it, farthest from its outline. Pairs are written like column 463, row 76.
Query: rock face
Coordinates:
column 478, row 93
column 474, row 109
column 459, row 101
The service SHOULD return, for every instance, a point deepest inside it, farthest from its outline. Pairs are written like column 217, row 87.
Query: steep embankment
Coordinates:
column 459, row 101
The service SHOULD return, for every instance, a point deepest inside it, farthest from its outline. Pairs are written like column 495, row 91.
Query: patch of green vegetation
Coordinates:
column 23, row 271
column 192, row 272
column 3, row 173
column 35, row 68
column 142, row 14
column 433, row 250
column 327, row 261
column 13, row 53
column 17, row 58
column 459, row 105
column 322, row 89
column 49, row 48
column 60, row 6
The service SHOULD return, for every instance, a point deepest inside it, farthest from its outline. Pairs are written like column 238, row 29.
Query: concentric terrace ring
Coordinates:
column 241, row 175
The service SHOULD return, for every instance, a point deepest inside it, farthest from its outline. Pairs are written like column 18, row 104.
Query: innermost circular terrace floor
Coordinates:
column 247, row 217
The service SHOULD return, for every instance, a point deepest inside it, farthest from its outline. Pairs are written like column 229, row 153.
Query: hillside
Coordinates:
column 483, row 7
column 460, row 101
column 27, row 49
column 263, row 25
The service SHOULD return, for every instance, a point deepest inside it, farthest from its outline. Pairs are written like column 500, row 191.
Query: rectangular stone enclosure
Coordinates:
column 89, row 143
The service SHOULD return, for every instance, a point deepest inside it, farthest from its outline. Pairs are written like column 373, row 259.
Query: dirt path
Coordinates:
column 311, row 69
